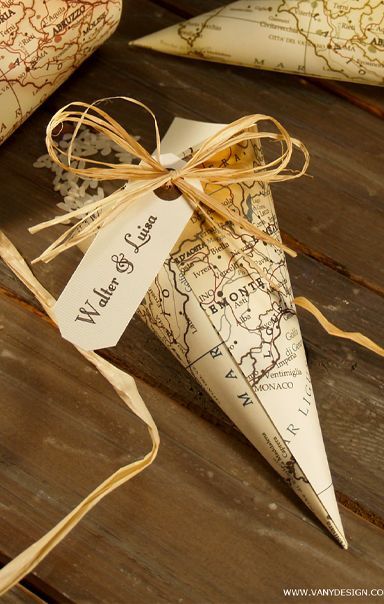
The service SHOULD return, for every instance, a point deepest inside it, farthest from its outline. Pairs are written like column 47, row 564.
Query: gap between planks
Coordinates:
column 33, row 589
column 339, row 90
column 327, row 261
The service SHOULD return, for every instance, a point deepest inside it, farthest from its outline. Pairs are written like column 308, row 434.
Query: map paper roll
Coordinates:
column 326, row 39
column 237, row 337
column 41, row 43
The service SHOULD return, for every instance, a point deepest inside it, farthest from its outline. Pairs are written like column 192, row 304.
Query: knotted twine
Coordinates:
column 144, row 178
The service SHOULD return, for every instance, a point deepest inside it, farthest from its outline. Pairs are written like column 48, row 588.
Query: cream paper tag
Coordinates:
column 113, row 277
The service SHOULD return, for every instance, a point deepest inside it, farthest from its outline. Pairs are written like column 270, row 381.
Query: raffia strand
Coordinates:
column 150, row 174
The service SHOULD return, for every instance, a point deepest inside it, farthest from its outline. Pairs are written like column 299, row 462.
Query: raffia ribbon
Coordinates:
column 150, row 175
column 154, row 175
column 124, row 385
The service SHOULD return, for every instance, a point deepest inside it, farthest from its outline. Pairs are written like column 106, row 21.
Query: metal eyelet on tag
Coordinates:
column 168, row 192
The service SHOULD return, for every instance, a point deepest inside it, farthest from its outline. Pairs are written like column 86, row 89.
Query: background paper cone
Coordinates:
column 340, row 41
column 238, row 337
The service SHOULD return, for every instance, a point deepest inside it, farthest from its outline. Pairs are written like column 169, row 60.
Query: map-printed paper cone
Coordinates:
column 327, row 39
column 238, row 337
column 41, row 43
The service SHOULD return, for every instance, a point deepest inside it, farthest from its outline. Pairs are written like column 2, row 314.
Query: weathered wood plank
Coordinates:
column 130, row 549
column 179, row 96
column 369, row 98
column 21, row 595
column 64, row 430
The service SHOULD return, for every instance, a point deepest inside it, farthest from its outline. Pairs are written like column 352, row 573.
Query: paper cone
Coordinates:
column 322, row 39
column 240, row 339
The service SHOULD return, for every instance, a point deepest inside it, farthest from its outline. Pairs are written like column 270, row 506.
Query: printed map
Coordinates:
column 223, row 305
column 41, row 44
column 342, row 40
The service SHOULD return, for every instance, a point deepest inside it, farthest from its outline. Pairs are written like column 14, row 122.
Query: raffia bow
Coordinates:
column 150, row 174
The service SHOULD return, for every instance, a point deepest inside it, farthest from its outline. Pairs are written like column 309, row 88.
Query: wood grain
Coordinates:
column 198, row 526
column 329, row 288
column 347, row 379
column 202, row 525
column 21, row 595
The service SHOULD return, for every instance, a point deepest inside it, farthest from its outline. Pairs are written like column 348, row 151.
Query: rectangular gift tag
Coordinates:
column 113, row 277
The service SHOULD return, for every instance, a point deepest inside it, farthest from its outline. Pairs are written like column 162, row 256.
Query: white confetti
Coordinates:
column 75, row 191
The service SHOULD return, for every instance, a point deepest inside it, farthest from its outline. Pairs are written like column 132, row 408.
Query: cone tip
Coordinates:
column 339, row 534
column 138, row 42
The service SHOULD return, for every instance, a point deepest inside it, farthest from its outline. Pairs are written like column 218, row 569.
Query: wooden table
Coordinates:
column 209, row 522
